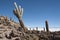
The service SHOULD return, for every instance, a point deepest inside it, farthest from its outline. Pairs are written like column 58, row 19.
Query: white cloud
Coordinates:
column 50, row 29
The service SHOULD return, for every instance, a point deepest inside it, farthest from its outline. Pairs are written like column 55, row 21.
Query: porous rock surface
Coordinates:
column 10, row 30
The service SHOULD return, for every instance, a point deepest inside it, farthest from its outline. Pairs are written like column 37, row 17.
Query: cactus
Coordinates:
column 47, row 28
column 18, row 12
column 6, row 19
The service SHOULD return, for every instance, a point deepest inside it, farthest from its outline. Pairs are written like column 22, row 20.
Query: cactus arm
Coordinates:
column 17, row 10
column 16, row 6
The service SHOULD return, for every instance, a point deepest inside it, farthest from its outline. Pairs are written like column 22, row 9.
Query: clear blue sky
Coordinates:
column 35, row 11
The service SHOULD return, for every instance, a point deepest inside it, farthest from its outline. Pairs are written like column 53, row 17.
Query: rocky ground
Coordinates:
column 10, row 30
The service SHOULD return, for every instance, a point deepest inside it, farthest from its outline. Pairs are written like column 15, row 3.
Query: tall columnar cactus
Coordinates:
column 47, row 28
column 18, row 12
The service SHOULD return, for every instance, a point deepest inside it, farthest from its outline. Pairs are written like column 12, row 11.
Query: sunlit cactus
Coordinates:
column 18, row 12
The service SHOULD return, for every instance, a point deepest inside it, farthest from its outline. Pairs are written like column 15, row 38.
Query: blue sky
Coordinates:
column 35, row 12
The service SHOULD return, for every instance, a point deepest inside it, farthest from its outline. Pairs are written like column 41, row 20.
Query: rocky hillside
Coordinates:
column 10, row 30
